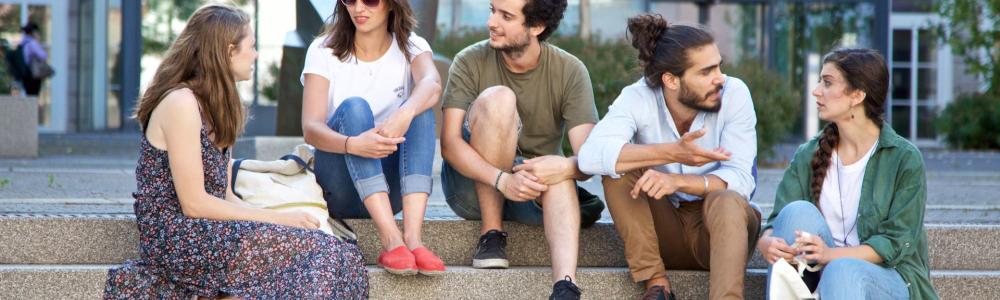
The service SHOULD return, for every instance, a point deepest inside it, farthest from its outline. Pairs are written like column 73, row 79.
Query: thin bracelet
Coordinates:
column 496, row 183
column 705, row 178
column 345, row 144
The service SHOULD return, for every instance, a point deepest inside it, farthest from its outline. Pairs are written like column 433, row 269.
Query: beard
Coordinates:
column 699, row 102
column 515, row 47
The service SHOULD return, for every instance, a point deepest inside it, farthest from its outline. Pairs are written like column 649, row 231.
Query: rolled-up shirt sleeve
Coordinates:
column 740, row 137
column 599, row 154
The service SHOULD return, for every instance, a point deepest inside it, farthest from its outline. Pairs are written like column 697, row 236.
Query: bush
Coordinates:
column 970, row 122
column 776, row 103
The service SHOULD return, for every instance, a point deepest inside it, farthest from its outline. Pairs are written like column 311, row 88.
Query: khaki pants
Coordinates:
column 717, row 234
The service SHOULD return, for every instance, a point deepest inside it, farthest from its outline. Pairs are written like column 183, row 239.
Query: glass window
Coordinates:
column 926, row 115
column 114, row 59
column 927, row 43
column 926, row 84
column 901, row 40
column 901, row 119
column 901, row 84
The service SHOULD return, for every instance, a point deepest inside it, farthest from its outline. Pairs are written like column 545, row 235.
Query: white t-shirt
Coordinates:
column 841, row 196
column 385, row 83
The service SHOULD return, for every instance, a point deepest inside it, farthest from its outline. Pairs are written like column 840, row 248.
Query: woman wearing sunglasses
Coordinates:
column 370, row 84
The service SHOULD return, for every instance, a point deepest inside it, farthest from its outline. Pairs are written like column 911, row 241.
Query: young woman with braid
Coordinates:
column 852, row 199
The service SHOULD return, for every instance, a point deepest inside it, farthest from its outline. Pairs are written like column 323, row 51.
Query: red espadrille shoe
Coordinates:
column 428, row 263
column 398, row 261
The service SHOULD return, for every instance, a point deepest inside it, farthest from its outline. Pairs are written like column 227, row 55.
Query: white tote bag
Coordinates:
column 287, row 184
column 787, row 284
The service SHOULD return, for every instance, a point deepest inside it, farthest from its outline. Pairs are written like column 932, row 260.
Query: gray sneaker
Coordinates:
column 491, row 251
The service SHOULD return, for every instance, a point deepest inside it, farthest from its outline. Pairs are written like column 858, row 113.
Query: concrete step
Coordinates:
column 438, row 208
column 111, row 239
column 87, row 282
column 88, row 178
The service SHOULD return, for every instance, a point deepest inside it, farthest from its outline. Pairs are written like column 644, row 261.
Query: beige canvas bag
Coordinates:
column 287, row 184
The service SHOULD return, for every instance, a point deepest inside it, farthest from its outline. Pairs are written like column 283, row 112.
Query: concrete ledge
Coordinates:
column 274, row 147
column 18, row 127
column 265, row 147
column 87, row 282
column 112, row 239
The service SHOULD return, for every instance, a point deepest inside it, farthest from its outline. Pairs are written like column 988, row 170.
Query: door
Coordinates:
column 51, row 17
column 921, row 77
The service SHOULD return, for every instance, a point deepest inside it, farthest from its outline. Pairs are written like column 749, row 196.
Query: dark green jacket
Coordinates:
column 891, row 211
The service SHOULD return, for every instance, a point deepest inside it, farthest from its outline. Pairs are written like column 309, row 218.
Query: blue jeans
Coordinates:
column 348, row 179
column 842, row 278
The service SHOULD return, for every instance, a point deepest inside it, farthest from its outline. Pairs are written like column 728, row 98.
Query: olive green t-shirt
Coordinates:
column 555, row 96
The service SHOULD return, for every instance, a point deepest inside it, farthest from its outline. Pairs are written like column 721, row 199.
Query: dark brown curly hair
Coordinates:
column 546, row 13
column 865, row 70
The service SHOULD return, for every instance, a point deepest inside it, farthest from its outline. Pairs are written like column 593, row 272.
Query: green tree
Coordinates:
column 163, row 14
column 970, row 27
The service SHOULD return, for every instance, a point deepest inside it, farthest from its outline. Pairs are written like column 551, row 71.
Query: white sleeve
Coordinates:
column 417, row 46
column 599, row 154
column 739, row 135
column 318, row 58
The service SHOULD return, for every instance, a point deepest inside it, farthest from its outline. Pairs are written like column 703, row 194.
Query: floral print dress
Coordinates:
column 183, row 257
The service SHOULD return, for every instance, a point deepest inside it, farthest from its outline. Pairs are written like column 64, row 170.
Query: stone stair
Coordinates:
column 66, row 256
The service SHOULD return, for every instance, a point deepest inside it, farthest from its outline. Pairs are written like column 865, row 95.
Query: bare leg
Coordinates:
column 494, row 123
column 414, row 206
column 385, row 223
column 561, row 215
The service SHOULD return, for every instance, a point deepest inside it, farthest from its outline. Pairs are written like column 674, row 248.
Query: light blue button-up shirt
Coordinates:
column 640, row 116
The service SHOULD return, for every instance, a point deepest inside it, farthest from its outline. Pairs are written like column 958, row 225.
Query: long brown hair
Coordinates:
column 340, row 33
column 200, row 60
column 663, row 47
column 865, row 70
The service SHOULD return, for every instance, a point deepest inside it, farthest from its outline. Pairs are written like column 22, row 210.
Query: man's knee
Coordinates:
column 725, row 204
column 625, row 182
column 494, row 105
column 561, row 192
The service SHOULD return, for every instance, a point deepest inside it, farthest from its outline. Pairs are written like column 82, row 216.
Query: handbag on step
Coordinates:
column 287, row 184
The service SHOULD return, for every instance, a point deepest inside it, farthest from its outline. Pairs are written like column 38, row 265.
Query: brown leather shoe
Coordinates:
column 657, row 293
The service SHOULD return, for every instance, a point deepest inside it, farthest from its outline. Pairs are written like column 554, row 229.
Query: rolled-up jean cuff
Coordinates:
column 368, row 186
column 417, row 184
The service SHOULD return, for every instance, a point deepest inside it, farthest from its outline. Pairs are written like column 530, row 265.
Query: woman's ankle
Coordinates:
column 392, row 243
column 413, row 242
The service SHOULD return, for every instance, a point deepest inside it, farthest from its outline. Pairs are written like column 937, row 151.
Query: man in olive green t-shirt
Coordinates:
column 507, row 102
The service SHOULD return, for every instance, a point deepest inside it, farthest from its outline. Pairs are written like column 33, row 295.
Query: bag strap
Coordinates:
column 232, row 183
column 298, row 160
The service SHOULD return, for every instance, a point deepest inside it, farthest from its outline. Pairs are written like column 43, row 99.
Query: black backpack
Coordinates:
column 15, row 63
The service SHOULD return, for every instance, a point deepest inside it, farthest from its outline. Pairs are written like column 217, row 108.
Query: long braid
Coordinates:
column 821, row 159
column 865, row 70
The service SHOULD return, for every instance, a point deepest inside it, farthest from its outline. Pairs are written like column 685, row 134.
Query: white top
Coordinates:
column 841, row 196
column 640, row 116
column 385, row 83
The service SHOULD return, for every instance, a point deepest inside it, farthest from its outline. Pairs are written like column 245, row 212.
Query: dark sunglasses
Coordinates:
column 368, row 3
